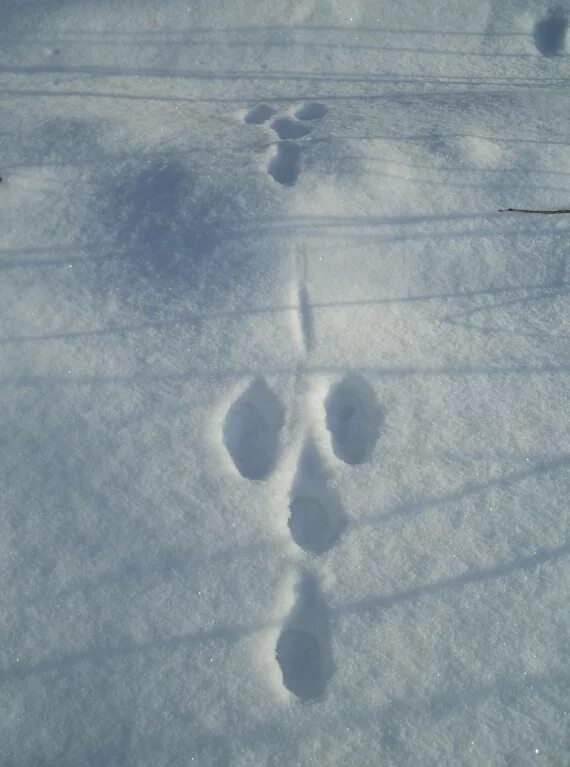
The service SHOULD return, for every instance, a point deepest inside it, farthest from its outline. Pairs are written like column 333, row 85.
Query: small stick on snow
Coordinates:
column 525, row 210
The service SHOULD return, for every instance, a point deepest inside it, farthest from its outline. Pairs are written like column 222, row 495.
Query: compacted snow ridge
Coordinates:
column 285, row 385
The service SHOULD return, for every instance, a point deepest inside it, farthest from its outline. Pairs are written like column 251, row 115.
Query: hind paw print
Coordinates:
column 303, row 650
column 251, row 429
column 353, row 419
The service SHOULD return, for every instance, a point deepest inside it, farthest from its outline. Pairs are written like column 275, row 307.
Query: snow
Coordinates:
column 285, row 398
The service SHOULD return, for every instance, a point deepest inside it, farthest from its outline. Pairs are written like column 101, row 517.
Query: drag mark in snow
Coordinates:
column 251, row 430
column 303, row 648
column 305, row 313
column 353, row 419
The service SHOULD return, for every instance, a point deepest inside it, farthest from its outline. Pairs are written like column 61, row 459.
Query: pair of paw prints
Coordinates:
column 252, row 424
column 316, row 516
column 284, row 166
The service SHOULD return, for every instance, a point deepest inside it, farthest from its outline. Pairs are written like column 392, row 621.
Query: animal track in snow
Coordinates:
column 316, row 517
column 259, row 114
column 550, row 33
column 303, row 648
column 311, row 111
column 285, row 164
column 353, row 419
column 251, row 430
column 286, row 128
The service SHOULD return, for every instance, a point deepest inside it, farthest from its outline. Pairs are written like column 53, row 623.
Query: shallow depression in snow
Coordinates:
column 251, row 430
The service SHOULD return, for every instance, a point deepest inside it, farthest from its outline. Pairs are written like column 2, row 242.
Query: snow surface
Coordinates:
column 285, row 415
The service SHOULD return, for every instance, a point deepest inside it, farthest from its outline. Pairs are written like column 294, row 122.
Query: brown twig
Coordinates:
column 525, row 210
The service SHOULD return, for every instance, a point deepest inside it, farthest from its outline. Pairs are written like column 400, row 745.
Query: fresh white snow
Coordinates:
column 285, row 399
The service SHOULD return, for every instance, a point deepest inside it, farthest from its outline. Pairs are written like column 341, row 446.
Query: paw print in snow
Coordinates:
column 316, row 518
column 284, row 166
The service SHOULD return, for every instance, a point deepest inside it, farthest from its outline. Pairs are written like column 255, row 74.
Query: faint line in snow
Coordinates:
column 292, row 307
column 458, row 582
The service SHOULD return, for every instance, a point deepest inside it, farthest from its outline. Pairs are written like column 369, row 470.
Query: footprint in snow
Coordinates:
column 353, row 419
column 550, row 33
column 284, row 166
column 316, row 517
column 287, row 128
column 312, row 110
column 251, row 430
column 303, row 649
column 259, row 114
